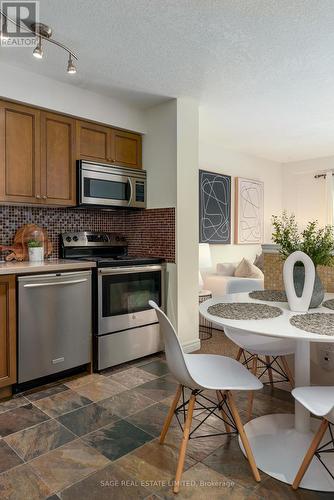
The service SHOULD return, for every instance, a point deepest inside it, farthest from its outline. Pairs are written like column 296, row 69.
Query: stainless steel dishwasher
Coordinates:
column 54, row 323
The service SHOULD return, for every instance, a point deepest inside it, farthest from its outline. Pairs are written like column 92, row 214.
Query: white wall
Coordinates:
column 31, row 88
column 170, row 156
column 160, row 154
column 215, row 156
column 160, row 162
column 187, row 221
column 304, row 195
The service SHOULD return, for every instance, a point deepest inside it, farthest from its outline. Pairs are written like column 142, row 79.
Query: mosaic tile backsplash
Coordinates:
column 149, row 232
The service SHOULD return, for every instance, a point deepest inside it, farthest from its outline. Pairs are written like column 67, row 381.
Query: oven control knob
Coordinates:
column 75, row 238
column 68, row 238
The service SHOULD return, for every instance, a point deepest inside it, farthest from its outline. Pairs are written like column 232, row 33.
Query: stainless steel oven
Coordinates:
column 123, row 296
column 125, row 327
column 110, row 186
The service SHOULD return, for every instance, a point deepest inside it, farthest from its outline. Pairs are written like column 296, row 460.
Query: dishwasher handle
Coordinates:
column 38, row 285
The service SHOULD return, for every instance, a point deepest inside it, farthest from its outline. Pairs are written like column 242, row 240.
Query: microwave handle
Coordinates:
column 131, row 191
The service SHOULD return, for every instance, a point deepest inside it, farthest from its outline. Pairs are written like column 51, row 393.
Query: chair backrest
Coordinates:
column 243, row 285
column 173, row 349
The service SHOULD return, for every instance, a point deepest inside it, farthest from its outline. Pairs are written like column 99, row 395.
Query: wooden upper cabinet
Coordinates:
column 7, row 331
column 127, row 149
column 93, row 142
column 107, row 145
column 19, row 153
column 39, row 149
column 58, row 175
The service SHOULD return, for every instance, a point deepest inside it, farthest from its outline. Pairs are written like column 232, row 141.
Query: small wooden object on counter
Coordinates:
column 19, row 250
column 7, row 334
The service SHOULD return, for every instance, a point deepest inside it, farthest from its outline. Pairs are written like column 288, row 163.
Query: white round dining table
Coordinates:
column 280, row 441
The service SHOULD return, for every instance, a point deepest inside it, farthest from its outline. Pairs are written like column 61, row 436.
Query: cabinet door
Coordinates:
column 58, row 180
column 93, row 142
column 126, row 148
column 19, row 153
column 7, row 331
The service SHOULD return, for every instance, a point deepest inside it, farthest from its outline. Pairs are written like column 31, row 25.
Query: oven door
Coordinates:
column 105, row 188
column 123, row 295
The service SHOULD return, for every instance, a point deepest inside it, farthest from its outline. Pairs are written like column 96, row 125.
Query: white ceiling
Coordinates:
column 263, row 70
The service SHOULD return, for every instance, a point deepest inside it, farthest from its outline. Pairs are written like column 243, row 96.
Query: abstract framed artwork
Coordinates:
column 248, row 211
column 214, row 208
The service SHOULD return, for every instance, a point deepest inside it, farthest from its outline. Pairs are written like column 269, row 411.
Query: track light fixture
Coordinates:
column 41, row 32
column 71, row 69
column 38, row 51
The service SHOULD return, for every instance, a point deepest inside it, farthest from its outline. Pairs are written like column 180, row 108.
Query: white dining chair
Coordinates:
column 266, row 355
column 202, row 372
column 320, row 402
column 261, row 354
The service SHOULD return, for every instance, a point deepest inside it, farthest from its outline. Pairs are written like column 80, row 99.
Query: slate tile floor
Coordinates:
column 96, row 437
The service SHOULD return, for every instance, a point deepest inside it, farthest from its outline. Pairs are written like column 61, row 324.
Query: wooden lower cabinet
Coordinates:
column 7, row 332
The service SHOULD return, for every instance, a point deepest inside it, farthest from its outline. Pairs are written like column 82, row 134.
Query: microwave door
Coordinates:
column 98, row 188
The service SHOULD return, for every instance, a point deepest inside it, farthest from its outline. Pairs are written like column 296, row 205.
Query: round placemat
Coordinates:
column 329, row 304
column 269, row 295
column 244, row 311
column 321, row 323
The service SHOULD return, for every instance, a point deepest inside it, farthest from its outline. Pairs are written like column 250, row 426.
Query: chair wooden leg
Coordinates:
column 243, row 437
column 310, row 453
column 288, row 371
column 184, row 442
column 270, row 372
column 251, row 393
column 170, row 414
column 220, row 399
column 239, row 354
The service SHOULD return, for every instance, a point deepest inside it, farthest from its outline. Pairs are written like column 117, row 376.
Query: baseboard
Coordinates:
column 191, row 345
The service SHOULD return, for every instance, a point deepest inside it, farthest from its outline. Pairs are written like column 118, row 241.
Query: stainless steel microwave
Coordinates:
column 110, row 186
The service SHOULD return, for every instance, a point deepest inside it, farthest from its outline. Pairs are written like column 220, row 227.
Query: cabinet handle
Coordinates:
column 38, row 196
column 44, row 197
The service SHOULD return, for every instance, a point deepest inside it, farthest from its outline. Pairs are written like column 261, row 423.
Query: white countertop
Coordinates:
column 26, row 267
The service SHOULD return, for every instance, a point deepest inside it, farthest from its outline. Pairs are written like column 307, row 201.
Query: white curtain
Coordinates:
column 329, row 199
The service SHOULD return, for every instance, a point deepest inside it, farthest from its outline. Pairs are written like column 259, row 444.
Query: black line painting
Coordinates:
column 249, row 211
column 214, row 208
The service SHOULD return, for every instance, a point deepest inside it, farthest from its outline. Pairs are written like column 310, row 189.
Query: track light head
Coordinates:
column 71, row 69
column 38, row 51
column 4, row 32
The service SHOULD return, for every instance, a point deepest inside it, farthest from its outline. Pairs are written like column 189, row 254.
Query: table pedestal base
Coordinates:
column 279, row 450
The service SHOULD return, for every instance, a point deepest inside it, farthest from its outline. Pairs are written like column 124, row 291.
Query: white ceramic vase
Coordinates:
column 36, row 254
column 299, row 304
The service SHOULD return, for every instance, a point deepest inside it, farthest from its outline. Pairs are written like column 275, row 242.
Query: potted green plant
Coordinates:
column 317, row 242
column 35, row 250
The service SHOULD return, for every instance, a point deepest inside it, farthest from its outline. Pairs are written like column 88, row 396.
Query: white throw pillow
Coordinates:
column 226, row 268
column 248, row 270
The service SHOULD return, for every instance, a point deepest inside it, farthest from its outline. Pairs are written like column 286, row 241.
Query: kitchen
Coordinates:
column 102, row 178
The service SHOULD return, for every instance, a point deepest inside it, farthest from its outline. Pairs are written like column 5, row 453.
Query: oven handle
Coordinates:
column 128, row 270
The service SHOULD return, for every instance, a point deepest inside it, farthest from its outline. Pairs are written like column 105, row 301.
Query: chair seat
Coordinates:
column 318, row 400
column 211, row 371
column 260, row 344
